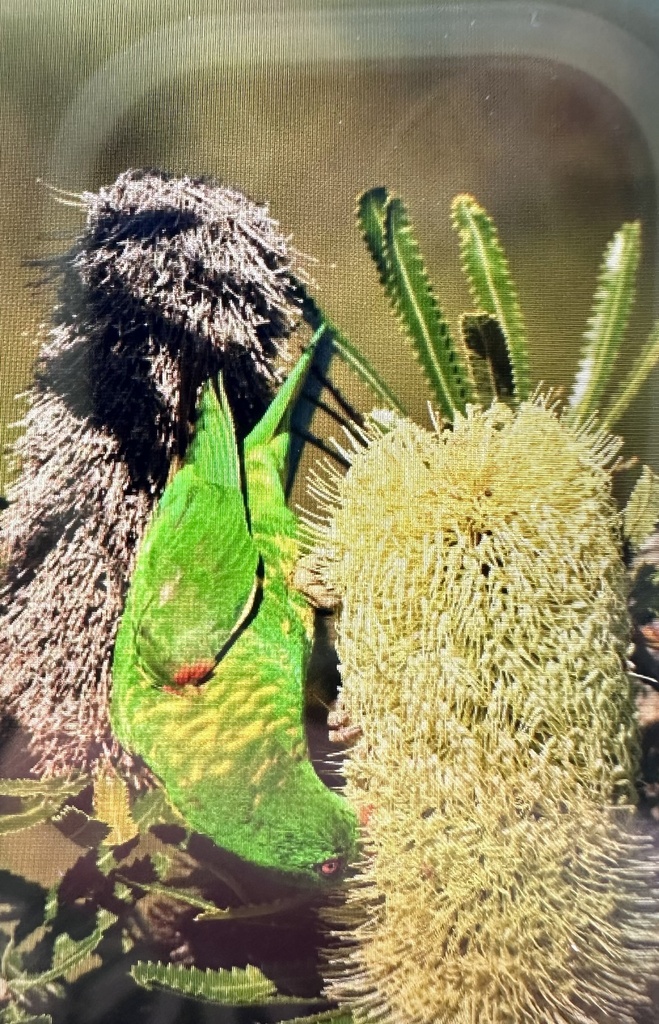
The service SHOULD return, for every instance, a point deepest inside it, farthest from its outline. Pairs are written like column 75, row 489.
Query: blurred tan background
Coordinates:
column 305, row 119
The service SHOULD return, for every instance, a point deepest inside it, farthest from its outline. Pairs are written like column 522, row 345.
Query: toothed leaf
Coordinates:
column 112, row 808
column 68, row 955
column 415, row 303
column 614, row 295
column 372, row 218
column 390, row 239
column 235, row 987
column 80, row 828
column 490, row 363
column 492, row 288
column 640, row 371
column 60, row 787
column 641, row 513
column 33, row 813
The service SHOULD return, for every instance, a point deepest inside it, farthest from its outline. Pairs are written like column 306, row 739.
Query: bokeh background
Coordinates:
column 306, row 105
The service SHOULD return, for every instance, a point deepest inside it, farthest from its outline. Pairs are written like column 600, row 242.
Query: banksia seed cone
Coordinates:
column 172, row 280
column 482, row 637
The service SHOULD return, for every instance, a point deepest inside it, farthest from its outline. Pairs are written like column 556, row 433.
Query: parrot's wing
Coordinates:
column 197, row 574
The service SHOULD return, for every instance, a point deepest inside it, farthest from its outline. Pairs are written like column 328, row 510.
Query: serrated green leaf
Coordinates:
column 80, row 828
column 640, row 371
column 371, row 216
column 53, row 789
column 41, row 799
column 34, row 813
column 485, row 264
column 614, row 295
column 325, row 1017
column 641, row 513
column 490, row 363
column 112, row 808
column 392, row 244
column 68, row 954
column 235, row 987
column 419, row 311
column 154, row 808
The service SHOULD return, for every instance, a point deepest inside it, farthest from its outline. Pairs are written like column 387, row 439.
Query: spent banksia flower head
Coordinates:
column 481, row 639
column 172, row 280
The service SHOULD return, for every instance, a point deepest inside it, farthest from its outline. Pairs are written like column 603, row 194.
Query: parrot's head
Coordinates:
column 305, row 830
column 291, row 823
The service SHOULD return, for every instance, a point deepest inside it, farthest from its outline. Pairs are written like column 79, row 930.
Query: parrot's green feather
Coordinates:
column 211, row 652
column 213, row 451
column 181, row 618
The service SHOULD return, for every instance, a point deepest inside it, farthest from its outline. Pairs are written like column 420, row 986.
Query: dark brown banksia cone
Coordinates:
column 172, row 280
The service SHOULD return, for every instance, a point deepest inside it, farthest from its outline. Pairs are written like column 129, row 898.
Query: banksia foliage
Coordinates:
column 171, row 281
column 388, row 234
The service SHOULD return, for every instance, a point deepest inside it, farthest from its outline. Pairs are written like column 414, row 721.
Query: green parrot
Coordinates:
column 211, row 652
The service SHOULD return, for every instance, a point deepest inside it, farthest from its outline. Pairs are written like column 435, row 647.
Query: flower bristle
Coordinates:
column 481, row 639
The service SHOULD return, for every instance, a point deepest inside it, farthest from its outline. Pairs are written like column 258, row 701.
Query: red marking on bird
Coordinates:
column 192, row 675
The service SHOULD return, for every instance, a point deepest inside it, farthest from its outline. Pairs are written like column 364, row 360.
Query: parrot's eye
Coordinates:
column 329, row 867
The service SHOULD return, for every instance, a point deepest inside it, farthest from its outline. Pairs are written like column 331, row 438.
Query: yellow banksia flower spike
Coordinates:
column 482, row 638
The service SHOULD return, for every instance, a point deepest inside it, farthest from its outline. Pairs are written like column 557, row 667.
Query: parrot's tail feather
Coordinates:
column 213, row 450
